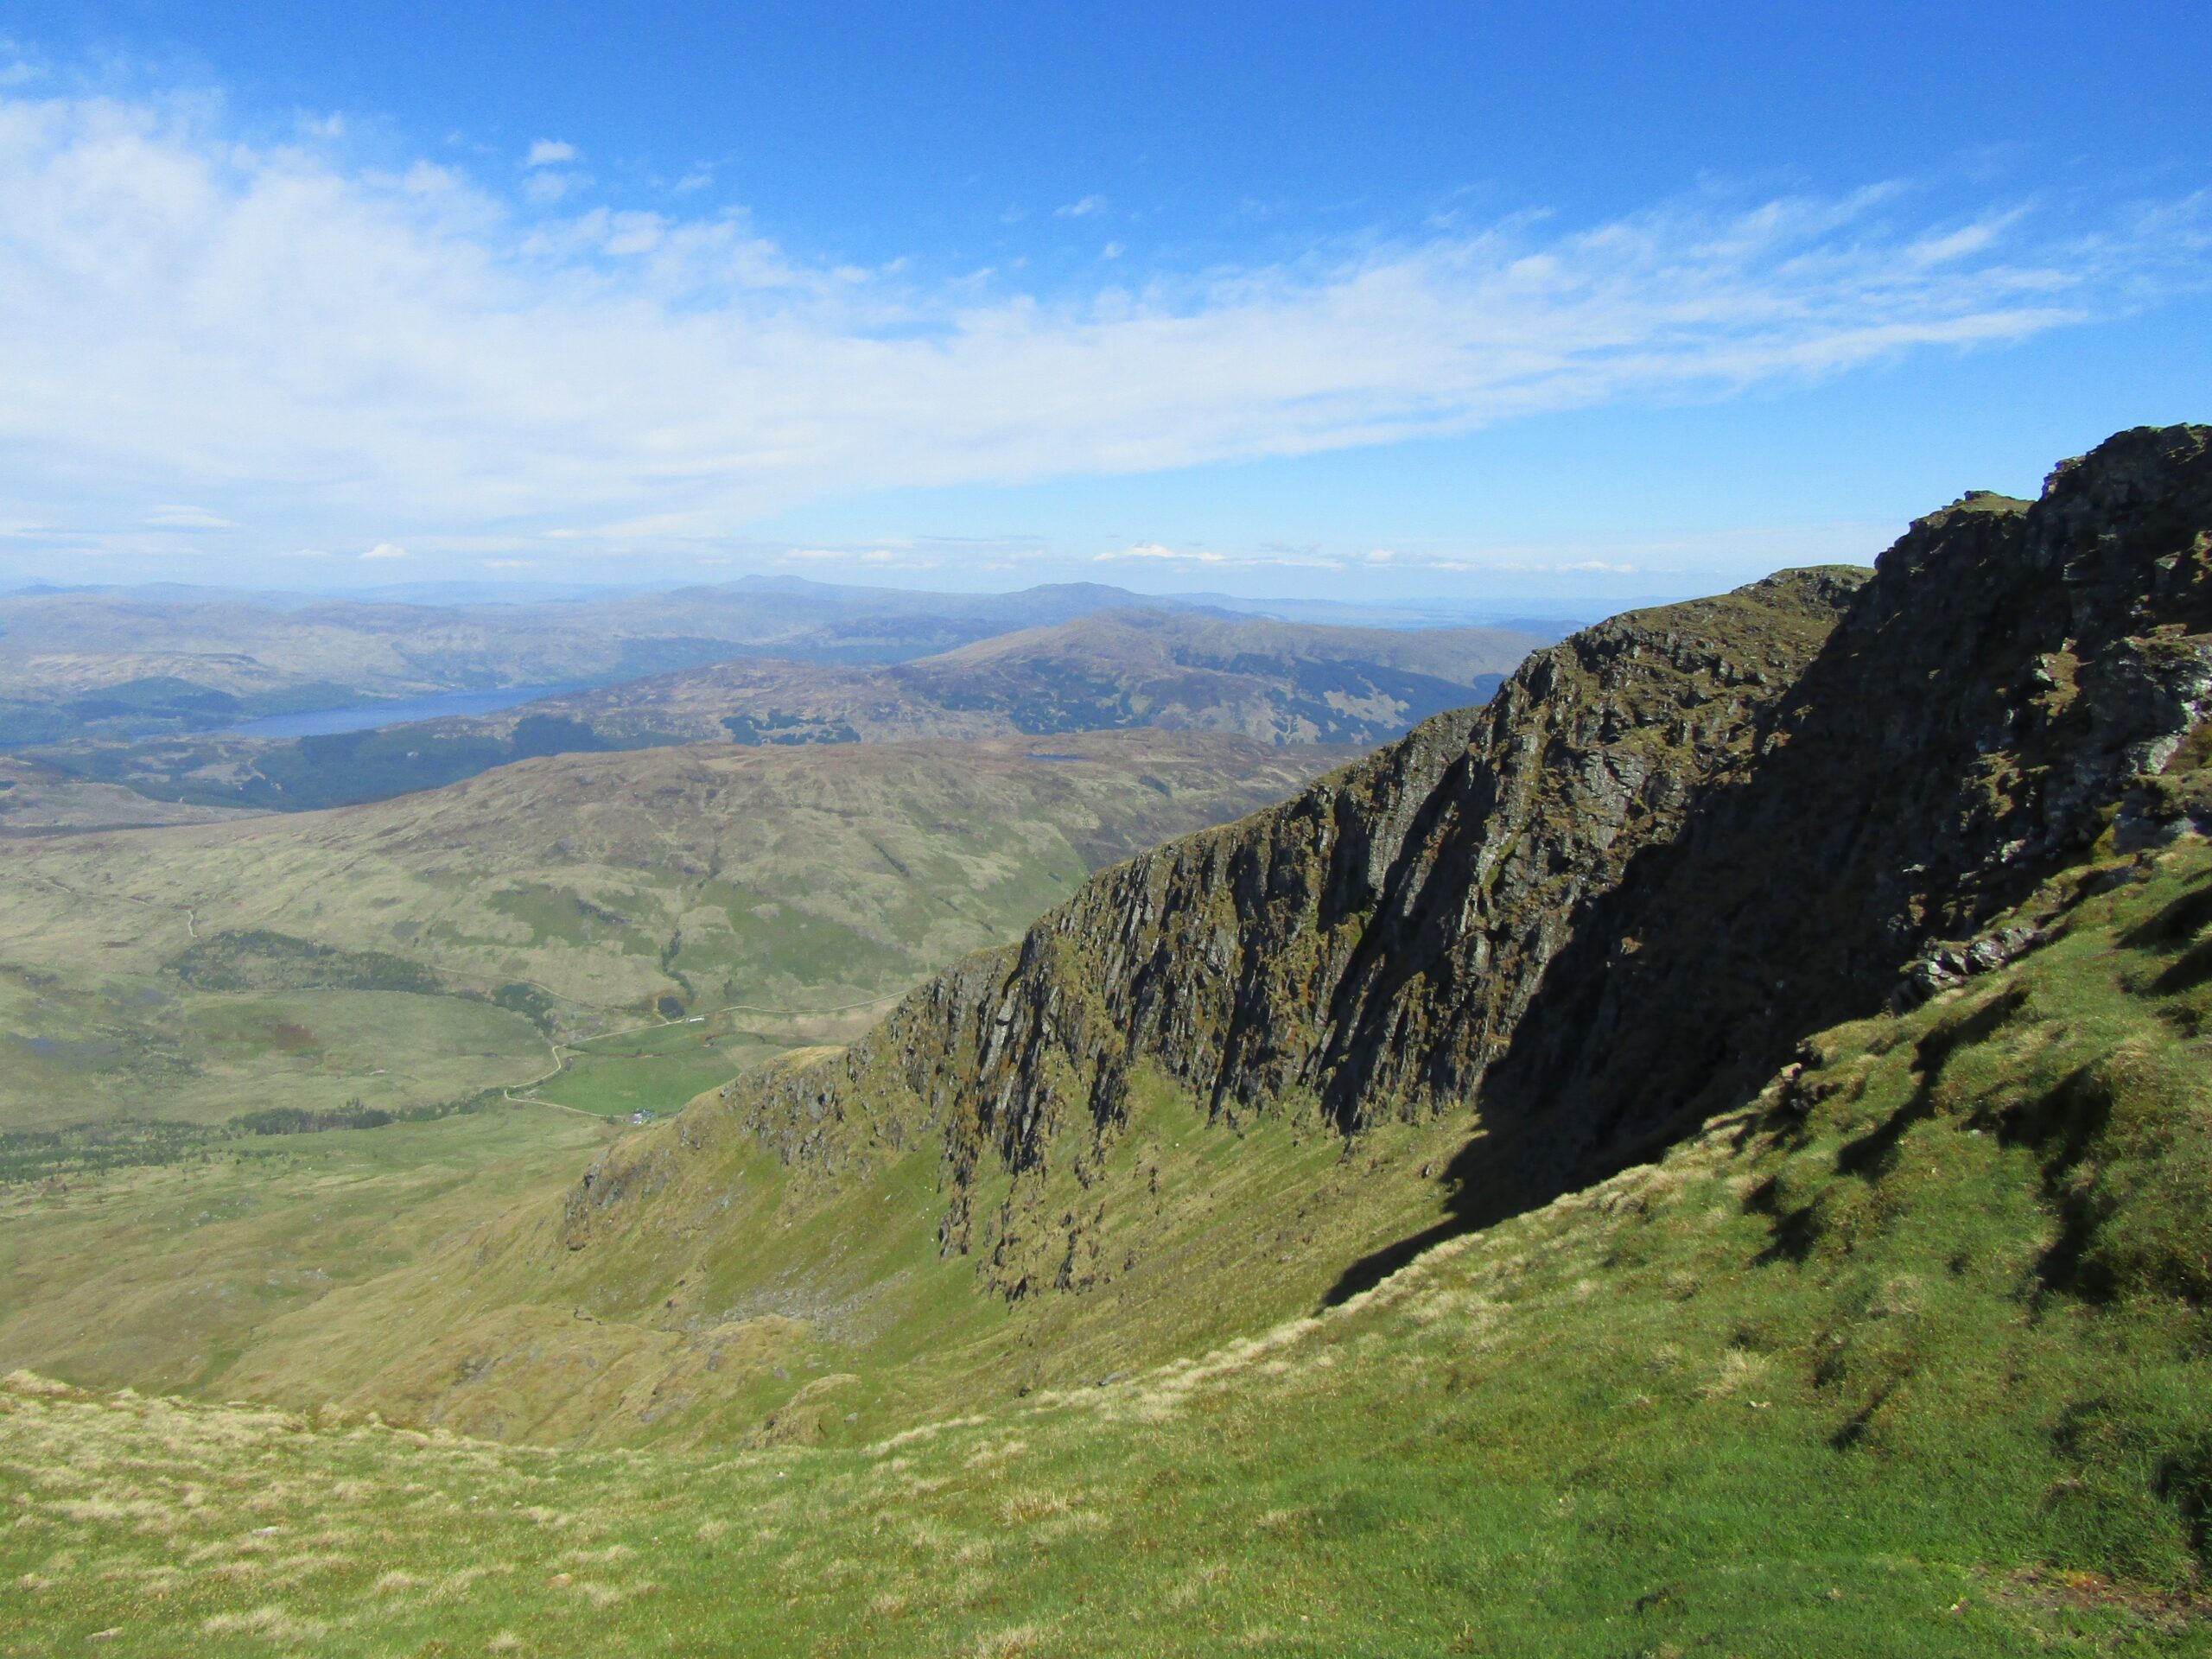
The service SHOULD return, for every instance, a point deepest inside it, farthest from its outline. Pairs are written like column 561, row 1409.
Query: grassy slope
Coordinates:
column 37, row 799
column 1905, row 1357
column 816, row 880
column 158, row 1276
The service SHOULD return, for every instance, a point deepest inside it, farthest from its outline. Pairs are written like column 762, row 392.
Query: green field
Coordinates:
column 80, row 1047
column 657, row 1069
column 159, row 1274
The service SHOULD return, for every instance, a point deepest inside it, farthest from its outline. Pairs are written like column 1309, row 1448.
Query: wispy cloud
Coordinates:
column 1154, row 550
column 1082, row 209
column 188, row 517
column 337, row 351
column 385, row 550
column 1263, row 558
column 873, row 556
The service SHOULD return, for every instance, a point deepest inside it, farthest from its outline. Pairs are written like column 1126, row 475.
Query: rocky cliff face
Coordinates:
column 2005, row 690
column 1581, row 917
column 1364, row 950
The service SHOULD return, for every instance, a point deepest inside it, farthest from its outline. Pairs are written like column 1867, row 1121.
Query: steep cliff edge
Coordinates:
column 2008, row 688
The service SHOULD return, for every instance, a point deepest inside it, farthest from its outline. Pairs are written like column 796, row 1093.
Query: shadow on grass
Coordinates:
column 1491, row 1180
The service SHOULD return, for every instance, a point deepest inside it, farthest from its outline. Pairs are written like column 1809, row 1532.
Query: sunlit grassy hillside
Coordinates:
column 1904, row 1358
column 413, row 952
column 159, row 1274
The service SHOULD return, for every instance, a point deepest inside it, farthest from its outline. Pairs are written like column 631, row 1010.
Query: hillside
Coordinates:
column 39, row 800
column 415, row 951
column 1275, row 681
column 1255, row 1069
column 1709, row 1150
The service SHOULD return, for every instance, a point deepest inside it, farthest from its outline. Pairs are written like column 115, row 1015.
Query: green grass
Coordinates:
column 83, row 1047
column 161, row 1275
column 655, row 1070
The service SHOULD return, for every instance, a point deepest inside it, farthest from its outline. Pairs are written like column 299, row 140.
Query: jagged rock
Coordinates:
column 1949, row 965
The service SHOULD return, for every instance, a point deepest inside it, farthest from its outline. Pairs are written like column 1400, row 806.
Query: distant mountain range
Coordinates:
column 133, row 663
column 1281, row 682
column 200, row 658
column 1106, row 670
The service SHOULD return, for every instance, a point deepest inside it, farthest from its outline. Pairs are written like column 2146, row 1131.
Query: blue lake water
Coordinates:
column 365, row 717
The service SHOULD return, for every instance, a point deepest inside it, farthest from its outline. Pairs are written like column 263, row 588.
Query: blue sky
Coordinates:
column 1490, row 303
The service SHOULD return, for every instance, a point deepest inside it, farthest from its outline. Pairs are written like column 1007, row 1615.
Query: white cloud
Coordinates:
column 385, row 550
column 1154, row 550
column 341, row 351
column 508, row 564
column 549, row 152
column 1082, row 209
column 188, row 517
column 892, row 555
column 546, row 186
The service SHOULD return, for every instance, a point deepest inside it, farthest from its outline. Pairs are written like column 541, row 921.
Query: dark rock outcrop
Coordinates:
column 1989, row 697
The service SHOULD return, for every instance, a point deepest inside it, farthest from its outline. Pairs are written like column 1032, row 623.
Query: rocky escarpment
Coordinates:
column 1611, row 900
column 1420, row 892
column 2016, row 682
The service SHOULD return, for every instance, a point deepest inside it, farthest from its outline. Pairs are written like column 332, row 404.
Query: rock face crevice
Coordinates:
column 1609, row 901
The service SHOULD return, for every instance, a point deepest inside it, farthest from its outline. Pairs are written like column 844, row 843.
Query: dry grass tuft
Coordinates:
column 272, row 1624
column 998, row 1645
